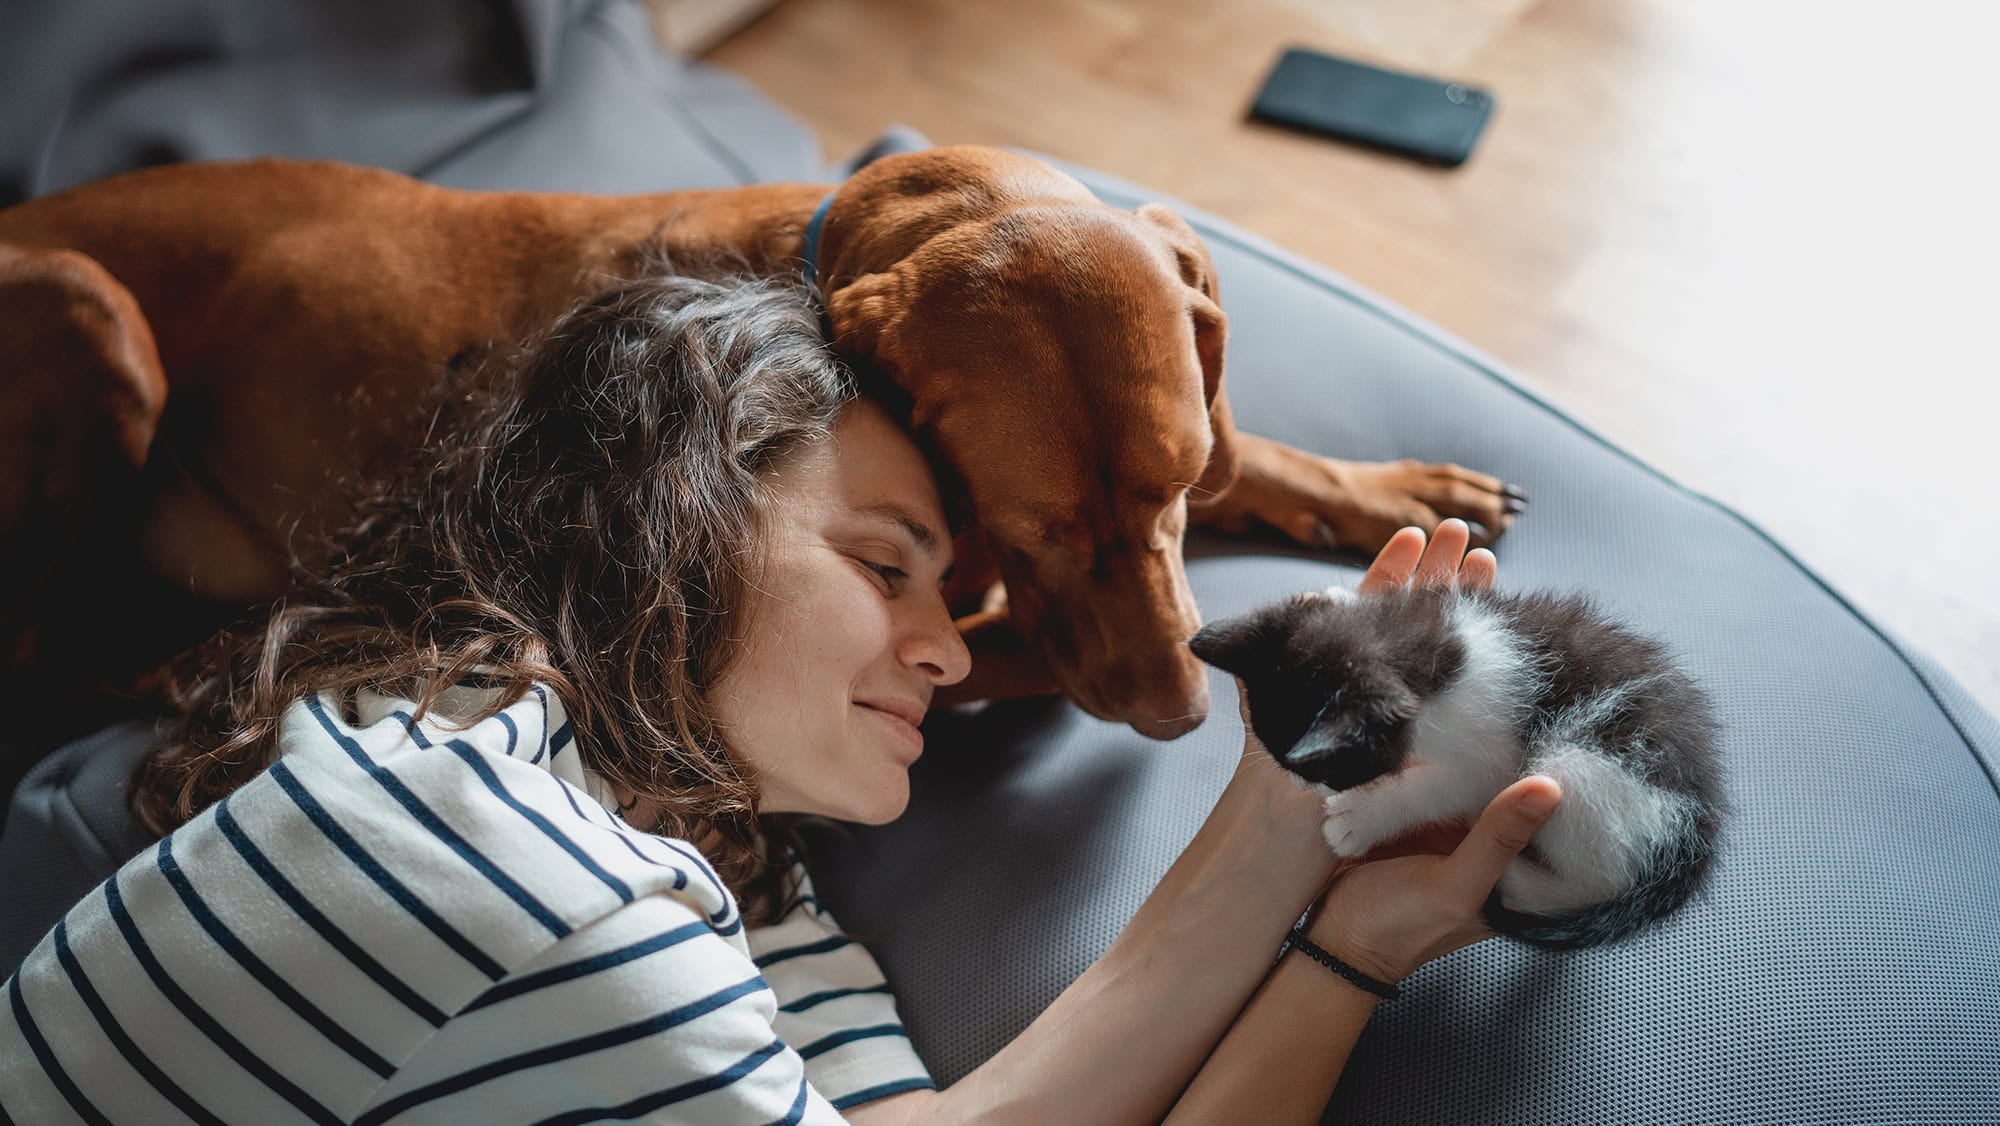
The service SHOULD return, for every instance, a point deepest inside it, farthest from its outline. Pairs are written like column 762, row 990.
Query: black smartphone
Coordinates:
column 1426, row 118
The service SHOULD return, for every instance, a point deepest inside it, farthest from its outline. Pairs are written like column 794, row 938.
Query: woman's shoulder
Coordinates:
column 494, row 806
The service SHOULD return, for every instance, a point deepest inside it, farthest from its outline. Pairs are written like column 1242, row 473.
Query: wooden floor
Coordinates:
column 1751, row 241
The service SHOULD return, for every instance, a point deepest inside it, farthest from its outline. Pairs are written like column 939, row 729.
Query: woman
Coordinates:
column 668, row 575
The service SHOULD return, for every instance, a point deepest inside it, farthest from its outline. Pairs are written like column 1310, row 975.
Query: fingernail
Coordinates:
column 1540, row 803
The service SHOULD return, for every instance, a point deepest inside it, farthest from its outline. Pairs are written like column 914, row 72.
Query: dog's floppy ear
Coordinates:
column 864, row 317
column 1211, row 333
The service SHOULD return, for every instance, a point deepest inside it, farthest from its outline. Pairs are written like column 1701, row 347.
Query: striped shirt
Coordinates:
column 431, row 922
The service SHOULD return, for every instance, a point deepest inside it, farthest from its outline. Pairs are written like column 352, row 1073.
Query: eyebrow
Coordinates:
column 926, row 537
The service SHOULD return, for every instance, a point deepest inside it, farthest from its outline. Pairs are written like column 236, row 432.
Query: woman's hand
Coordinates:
column 1419, row 897
column 1387, row 917
column 1444, row 562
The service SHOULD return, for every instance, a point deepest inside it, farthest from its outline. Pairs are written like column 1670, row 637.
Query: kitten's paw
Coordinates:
column 1347, row 828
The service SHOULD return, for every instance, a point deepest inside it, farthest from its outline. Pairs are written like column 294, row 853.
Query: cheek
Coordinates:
column 845, row 624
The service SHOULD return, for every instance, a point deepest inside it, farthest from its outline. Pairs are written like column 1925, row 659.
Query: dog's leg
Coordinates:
column 1325, row 503
column 79, row 405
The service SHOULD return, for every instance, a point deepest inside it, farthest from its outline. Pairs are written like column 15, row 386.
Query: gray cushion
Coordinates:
column 1843, row 967
column 68, row 827
column 532, row 94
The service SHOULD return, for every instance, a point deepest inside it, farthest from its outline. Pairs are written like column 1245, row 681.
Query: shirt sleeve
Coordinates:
column 646, row 1015
column 834, row 1005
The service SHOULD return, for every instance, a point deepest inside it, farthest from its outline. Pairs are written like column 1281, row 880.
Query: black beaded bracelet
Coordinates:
column 1318, row 954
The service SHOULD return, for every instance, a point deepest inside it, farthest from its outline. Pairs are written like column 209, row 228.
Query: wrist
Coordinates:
column 1279, row 822
column 1328, row 932
column 1300, row 946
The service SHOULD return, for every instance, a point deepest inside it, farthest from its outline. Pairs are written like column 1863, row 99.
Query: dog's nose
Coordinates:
column 1170, row 715
column 1169, row 728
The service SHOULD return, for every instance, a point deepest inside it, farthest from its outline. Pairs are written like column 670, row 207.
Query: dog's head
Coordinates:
column 1063, row 360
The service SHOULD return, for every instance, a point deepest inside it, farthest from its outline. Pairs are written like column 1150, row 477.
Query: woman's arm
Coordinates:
column 1119, row 1044
column 1282, row 1057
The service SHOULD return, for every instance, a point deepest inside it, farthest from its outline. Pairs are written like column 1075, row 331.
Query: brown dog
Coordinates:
column 204, row 358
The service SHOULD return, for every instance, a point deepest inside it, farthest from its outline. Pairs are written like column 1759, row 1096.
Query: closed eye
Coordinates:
column 892, row 574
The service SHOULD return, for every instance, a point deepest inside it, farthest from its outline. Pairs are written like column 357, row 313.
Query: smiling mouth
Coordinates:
column 906, row 731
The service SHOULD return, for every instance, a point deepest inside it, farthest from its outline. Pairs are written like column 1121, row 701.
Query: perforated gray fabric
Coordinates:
column 67, row 828
column 1844, row 966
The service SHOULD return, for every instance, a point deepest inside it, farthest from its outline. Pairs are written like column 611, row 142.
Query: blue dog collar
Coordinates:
column 811, row 251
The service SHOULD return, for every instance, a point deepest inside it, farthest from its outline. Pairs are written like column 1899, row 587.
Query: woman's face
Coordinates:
column 847, row 633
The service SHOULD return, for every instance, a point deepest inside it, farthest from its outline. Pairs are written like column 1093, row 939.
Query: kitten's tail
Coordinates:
column 1675, row 871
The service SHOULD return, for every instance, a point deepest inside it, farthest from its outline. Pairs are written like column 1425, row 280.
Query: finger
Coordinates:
column 1501, row 833
column 1440, row 562
column 1396, row 563
column 1479, row 570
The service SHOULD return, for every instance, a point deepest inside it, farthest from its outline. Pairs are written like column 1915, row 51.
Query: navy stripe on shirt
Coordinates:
column 671, row 1095
column 701, row 865
column 542, row 751
column 269, row 978
column 473, row 759
column 120, row 1039
column 556, row 975
column 825, row 995
column 51, row 1066
column 199, row 1017
column 827, row 1044
column 569, row 795
column 798, row 1110
column 772, row 957
column 680, row 874
column 335, row 937
column 374, row 870
column 428, row 818
column 568, row 1049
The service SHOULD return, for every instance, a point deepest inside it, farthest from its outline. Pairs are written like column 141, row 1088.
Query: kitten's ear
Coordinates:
column 1238, row 646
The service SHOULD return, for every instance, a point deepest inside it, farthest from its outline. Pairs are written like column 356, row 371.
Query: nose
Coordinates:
column 1173, row 728
column 933, row 646
column 1163, row 698
column 1170, row 716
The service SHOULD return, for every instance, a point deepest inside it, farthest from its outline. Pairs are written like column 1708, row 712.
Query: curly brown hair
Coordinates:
column 584, row 513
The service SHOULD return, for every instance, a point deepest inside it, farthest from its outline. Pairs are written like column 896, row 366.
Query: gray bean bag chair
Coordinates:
column 1842, row 967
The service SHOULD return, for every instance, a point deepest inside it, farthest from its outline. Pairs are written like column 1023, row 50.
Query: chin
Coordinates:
column 883, row 805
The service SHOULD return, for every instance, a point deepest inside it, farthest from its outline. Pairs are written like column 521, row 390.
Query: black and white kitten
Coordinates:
column 1419, row 706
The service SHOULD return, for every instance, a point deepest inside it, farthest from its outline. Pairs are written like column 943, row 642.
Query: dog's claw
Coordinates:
column 1324, row 535
column 1514, row 492
column 1513, row 506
